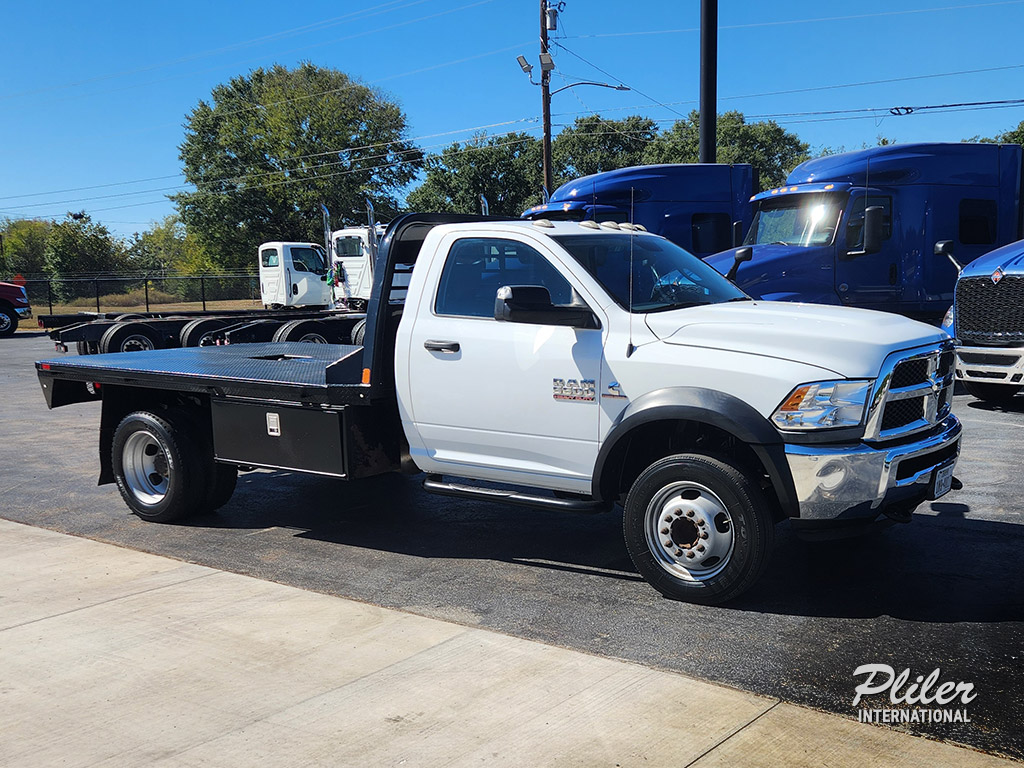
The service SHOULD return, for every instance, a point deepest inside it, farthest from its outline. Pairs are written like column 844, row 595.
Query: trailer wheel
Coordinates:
column 697, row 528
column 359, row 332
column 129, row 337
column 991, row 393
column 8, row 321
column 129, row 316
column 87, row 347
column 157, row 466
column 202, row 332
column 308, row 331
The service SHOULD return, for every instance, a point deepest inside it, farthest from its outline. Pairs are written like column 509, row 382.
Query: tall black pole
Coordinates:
column 545, row 95
column 708, row 79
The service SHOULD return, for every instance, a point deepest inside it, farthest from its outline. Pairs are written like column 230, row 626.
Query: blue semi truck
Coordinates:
column 862, row 228
column 703, row 208
column 987, row 320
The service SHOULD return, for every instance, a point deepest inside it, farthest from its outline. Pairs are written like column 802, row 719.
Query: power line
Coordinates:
column 613, row 77
column 364, row 14
column 756, row 25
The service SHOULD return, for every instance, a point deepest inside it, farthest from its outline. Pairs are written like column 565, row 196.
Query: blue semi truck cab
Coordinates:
column 697, row 206
column 811, row 239
column 987, row 320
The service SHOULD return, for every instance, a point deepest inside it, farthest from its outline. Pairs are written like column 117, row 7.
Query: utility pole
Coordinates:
column 545, row 95
column 708, row 79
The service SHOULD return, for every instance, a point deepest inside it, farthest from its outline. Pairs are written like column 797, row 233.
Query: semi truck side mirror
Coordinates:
column 737, row 234
column 945, row 248
column 741, row 255
column 532, row 304
column 871, row 232
column 873, row 228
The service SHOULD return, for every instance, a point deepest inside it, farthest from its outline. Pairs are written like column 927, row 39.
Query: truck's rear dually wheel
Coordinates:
column 697, row 528
column 157, row 466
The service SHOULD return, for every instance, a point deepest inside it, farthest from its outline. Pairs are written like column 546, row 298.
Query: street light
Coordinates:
column 547, row 64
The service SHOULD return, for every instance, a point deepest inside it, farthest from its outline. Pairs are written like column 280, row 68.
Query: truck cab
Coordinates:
column 807, row 236
column 987, row 321
column 697, row 206
column 352, row 265
column 14, row 306
column 293, row 275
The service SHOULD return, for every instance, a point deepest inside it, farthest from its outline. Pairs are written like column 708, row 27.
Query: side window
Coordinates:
column 308, row 260
column 269, row 257
column 855, row 222
column 477, row 267
column 710, row 232
column 977, row 222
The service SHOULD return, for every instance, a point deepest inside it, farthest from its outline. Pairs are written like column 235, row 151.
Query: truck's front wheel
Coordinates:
column 697, row 528
column 157, row 466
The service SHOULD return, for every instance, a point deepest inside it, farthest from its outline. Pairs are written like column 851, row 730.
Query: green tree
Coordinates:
column 79, row 245
column 270, row 147
column 1012, row 136
column 160, row 248
column 593, row 144
column 770, row 148
column 24, row 246
column 505, row 169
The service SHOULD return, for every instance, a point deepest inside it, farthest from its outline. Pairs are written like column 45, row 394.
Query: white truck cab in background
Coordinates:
column 294, row 275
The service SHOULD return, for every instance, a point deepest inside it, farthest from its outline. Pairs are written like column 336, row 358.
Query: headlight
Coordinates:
column 947, row 320
column 824, row 405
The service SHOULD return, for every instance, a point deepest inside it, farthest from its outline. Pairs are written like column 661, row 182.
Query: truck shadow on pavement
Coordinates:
column 943, row 567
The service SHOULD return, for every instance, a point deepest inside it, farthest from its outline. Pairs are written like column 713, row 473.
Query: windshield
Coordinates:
column 796, row 220
column 664, row 276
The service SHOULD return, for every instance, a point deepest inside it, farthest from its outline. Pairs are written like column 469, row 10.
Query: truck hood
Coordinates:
column 774, row 267
column 849, row 342
column 1009, row 258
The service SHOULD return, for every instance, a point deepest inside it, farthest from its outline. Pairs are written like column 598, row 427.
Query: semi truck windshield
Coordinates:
column 796, row 220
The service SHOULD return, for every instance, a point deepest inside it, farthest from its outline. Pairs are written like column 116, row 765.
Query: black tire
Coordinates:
column 129, row 337
column 128, row 317
column 673, row 508
column 992, row 393
column 158, row 466
column 87, row 347
column 200, row 332
column 8, row 322
column 222, row 486
column 309, row 331
column 359, row 332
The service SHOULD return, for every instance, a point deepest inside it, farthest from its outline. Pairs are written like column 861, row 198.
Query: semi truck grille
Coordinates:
column 990, row 314
column 917, row 395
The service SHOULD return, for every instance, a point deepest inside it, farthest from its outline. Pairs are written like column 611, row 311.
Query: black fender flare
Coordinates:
column 717, row 409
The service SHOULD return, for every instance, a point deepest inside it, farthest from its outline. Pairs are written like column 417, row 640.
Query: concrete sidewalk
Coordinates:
column 114, row 657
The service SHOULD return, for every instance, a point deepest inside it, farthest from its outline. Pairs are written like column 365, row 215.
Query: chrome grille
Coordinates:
column 990, row 314
column 914, row 393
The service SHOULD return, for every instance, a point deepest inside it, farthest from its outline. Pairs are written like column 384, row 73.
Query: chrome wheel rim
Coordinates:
column 312, row 338
column 5, row 322
column 689, row 531
column 137, row 343
column 146, row 471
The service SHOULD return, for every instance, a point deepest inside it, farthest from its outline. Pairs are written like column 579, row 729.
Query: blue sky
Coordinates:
column 97, row 94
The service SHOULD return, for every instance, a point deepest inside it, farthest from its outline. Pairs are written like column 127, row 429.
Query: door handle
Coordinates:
column 450, row 347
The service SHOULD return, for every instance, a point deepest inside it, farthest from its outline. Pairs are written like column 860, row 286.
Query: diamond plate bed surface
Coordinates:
column 287, row 363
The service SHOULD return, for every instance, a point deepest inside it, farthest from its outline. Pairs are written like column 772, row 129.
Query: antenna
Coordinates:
column 630, row 349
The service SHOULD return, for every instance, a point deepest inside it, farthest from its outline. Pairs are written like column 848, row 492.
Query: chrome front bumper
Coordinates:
column 990, row 365
column 856, row 482
column 24, row 312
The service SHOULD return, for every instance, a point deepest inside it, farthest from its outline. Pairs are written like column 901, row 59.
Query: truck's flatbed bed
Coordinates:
column 328, row 374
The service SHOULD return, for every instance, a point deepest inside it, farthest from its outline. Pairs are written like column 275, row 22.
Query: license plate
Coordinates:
column 943, row 481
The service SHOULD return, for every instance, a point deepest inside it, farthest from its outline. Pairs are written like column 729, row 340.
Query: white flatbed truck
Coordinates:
column 575, row 366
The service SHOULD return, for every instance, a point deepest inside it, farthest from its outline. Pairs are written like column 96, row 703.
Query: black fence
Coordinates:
column 144, row 294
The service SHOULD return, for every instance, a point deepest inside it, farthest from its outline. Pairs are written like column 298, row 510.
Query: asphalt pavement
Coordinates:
column 945, row 591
